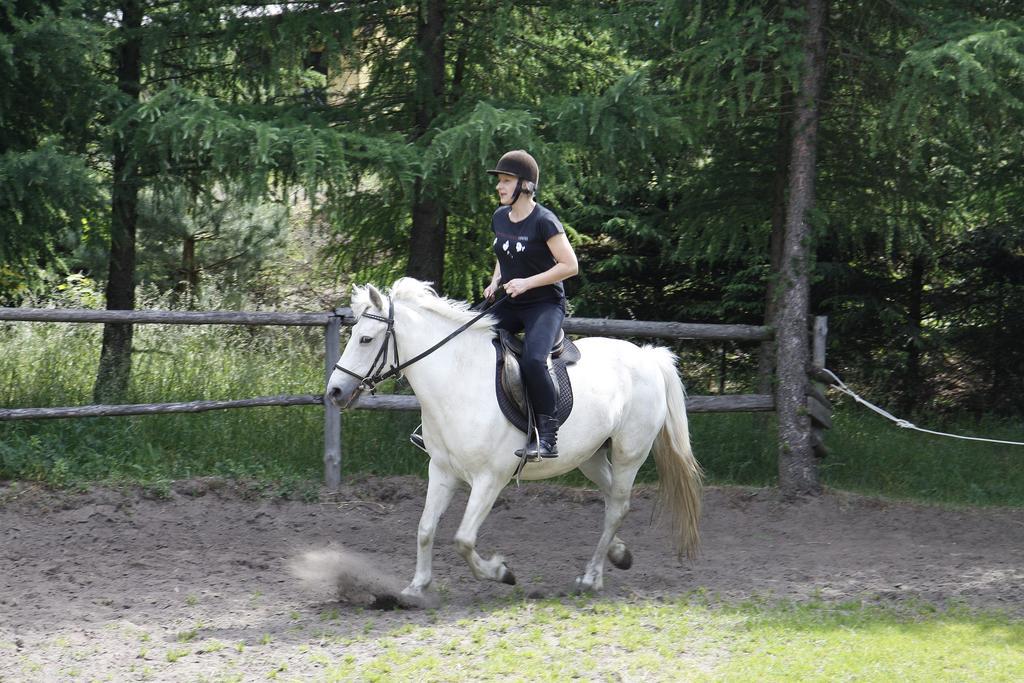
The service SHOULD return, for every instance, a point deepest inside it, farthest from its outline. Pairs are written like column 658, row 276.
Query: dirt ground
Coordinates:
column 194, row 583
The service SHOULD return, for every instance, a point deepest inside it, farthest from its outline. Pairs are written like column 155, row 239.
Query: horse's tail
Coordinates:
column 680, row 477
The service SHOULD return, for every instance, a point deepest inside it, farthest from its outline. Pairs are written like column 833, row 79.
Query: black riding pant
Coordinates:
column 541, row 323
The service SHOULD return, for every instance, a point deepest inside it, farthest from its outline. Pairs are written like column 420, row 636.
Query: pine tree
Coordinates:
column 46, row 188
column 211, row 95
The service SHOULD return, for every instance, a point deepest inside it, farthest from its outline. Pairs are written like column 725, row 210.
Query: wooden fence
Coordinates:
column 332, row 322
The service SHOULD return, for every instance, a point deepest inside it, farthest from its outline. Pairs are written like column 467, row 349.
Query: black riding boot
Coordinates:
column 547, row 431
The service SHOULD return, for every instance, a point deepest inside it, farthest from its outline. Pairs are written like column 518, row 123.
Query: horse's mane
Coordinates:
column 420, row 294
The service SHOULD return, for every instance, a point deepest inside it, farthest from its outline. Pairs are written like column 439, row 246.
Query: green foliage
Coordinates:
column 231, row 241
column 735, row 58
column 46, row 194
column 482, row 112
column 177, row 128
column 964, row 79
column 914, row 171
column 46, row 46
column 677, row 158
column 662, row 131
column 46, row 189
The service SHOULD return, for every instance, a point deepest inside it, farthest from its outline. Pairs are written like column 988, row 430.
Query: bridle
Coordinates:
column 377, row 373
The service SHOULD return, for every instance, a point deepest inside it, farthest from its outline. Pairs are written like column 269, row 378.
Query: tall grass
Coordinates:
column 47, row 364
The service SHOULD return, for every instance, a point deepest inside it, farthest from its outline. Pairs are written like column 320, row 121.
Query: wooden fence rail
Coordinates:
column 585, row 326
column 332, row 322
column 79, row 315
column 734, row 403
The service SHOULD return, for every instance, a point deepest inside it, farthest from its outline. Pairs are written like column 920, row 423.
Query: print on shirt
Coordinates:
column 506, row 246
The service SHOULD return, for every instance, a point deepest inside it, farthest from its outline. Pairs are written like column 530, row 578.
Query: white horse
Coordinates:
column 625, row 394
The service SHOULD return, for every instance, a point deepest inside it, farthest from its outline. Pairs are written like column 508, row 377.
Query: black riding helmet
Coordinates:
column 520, row 164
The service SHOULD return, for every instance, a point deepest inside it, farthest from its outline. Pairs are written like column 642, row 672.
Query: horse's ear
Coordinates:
column 376, row 299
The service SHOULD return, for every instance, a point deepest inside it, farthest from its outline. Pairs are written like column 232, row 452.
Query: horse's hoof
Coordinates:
column 507, row 576
column 412, row 592
column 413, row 598
column 580, row 587
column 623, row 560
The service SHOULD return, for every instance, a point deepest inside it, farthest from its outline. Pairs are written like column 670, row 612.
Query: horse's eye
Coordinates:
column 365, row 340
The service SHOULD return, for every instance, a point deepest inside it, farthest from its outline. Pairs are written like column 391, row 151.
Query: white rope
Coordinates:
column 838, row 384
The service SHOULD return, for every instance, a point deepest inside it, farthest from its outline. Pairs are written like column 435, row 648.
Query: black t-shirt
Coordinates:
column 522, row 250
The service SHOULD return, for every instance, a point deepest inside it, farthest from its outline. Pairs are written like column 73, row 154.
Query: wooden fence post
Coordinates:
column 332, row 415
column 818, row 405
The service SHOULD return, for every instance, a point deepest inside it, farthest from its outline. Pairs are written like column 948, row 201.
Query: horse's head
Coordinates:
column 371, row 354
column 369, row 350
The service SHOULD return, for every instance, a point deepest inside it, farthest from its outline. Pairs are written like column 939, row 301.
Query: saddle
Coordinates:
column 508, row 381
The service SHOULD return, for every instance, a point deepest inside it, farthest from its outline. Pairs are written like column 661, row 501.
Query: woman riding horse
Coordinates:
column 533, row 258
column 628, row 402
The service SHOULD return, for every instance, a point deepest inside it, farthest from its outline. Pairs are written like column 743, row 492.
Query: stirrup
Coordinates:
column 550, row 451
column 416, row 438
column 533, row 452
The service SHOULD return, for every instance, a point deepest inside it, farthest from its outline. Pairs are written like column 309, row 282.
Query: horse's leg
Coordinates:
column 598, row 470
column 441, row 486
column 484, row 492
column 623, row 469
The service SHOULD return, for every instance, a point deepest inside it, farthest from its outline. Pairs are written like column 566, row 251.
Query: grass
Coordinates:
column 53, row 364
column 691, row 639
column 872, row 455
column 281, row 448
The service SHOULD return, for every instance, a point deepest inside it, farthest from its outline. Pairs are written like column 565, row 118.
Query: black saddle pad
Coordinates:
column 508, row 383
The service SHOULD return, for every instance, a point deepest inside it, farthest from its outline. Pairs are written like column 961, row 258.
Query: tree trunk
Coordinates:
column 429, row 218
column 187, row 287
column 912, row 384
column 426, row 243
column 798, row 469
column 767, row 350
column 116, row 354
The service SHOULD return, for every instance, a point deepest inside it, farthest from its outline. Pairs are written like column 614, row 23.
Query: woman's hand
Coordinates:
column 491, row 290
column 516, row 287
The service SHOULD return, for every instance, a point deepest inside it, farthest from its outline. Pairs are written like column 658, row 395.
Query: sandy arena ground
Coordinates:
column 194, row 584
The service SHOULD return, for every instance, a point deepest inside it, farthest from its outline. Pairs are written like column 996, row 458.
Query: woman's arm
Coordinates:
column 490, row 290
column 565, row 266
